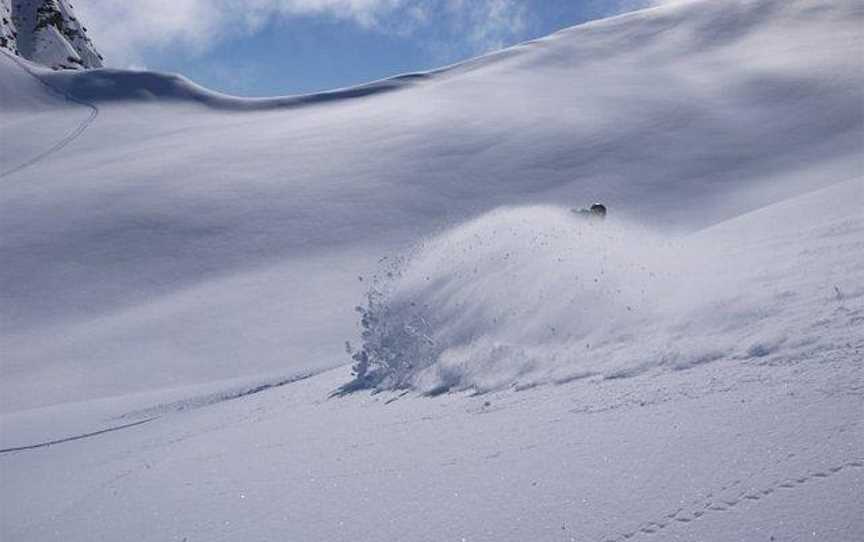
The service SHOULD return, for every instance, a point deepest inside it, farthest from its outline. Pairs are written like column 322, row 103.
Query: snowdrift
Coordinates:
column 529, row 295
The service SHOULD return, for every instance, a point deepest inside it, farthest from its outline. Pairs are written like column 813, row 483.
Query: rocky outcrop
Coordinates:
column 47, row 32
column 8, row 32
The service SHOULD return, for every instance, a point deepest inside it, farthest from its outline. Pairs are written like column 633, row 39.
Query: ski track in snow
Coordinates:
column 72, row 136
column 717, row 503
column 201, row 401
column 74, row 437
column 157, row 411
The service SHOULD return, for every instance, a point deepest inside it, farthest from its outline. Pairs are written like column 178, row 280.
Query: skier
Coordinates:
column 596, row 212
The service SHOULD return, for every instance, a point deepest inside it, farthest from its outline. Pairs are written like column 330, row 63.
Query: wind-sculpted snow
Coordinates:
column 523, row 296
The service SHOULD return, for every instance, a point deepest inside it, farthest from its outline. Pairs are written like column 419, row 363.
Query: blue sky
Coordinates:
column 277, row 47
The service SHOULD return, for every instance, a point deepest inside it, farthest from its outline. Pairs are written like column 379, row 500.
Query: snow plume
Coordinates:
column 526, row 296
column 501, row 300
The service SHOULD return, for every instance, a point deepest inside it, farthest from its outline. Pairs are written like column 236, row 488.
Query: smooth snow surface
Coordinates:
column 179, row 266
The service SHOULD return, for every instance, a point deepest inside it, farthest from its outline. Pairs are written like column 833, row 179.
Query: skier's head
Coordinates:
column 598, row 210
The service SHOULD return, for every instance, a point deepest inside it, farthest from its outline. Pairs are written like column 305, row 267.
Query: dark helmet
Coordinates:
column 598, row 210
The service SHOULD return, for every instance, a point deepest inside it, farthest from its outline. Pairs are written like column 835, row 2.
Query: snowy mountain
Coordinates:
column 48, row 33
column 182, row 270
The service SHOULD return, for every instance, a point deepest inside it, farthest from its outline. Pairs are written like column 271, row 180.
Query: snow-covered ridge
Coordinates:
column 699, row 27
column 105, row 86
column 47, row 32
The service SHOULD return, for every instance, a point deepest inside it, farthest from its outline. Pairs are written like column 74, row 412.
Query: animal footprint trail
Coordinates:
column 712, row 504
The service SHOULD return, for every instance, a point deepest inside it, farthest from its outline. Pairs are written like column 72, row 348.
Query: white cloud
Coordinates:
column 123, row 29
column 491, row 24
column 617, row 7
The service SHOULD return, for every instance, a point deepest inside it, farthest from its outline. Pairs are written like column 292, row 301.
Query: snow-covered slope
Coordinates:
column 177, row 238
column 47, row 32
column 755, row 445
column 177, row 265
